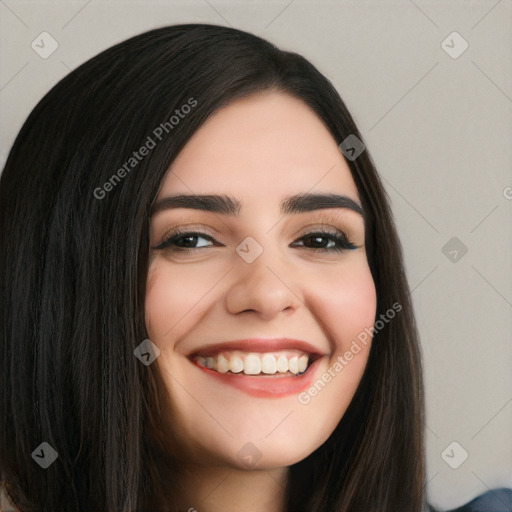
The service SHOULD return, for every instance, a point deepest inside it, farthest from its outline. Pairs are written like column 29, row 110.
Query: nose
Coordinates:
column 266, row 287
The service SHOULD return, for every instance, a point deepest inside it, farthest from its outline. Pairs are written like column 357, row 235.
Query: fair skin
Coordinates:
column 259, row 150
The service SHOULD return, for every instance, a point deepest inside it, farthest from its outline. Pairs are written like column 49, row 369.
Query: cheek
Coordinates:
column 173, row 297
column 346, row 304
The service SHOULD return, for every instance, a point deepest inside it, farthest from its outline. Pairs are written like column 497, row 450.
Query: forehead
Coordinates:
column 271, row 141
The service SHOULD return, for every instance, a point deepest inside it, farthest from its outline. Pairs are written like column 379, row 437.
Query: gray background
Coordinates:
column 439, row 129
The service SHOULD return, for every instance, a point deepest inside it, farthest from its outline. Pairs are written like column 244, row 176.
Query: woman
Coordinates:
column 203, row 294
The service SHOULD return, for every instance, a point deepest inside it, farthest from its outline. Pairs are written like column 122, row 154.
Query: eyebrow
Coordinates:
column 228, row 205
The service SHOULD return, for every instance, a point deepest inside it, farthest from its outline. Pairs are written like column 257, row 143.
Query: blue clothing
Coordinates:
column 496, row 500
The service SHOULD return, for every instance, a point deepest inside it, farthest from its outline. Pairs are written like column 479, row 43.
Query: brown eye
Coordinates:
column 317, row 240
column 185, row 241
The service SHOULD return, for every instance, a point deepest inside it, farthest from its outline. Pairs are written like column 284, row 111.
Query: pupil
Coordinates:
column 318, row 240
column 188, row 238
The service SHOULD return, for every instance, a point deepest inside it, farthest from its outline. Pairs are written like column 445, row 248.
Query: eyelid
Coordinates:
column 181, row 231
column 321, row 225
column 335, row 221
column 322, row 219
column 342, row 241
column 324, row 230
column 335, row 228
column 186, row 228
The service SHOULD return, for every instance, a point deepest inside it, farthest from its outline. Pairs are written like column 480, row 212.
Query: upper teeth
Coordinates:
column 255, row 363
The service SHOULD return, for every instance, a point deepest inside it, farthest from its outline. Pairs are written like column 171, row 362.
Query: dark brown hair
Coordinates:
column 73, row 271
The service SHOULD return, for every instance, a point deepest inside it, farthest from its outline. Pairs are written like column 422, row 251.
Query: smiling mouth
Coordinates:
column 279, row 363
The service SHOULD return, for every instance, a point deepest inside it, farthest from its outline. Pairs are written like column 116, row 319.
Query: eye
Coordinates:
column 337, row 241
column 185, row 241
column 322, row 240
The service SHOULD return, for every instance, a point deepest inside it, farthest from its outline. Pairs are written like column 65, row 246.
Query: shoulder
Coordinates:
column 495, row 500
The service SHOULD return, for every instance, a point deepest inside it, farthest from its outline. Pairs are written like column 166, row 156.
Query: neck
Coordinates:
column 216, row 489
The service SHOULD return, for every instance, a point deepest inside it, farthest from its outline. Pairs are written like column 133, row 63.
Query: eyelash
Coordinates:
column 340, row 239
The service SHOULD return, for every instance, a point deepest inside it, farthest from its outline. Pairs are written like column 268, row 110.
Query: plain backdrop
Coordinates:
column 437, row 119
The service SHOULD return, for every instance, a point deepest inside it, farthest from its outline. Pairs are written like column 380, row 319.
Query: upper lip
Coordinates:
column 257, row 345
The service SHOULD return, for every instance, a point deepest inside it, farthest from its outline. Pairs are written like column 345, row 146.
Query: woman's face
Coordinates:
column 255, row 289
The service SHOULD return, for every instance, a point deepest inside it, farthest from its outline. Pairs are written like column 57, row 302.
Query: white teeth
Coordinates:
column 268, row 364
column 303, row 363
column 222, row 364
column 293, row 365
column 282, row 364
column 256, row 363
column 236, row 365
column 252, row 364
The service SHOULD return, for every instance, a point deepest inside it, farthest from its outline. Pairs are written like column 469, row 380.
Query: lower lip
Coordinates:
column 266, row 386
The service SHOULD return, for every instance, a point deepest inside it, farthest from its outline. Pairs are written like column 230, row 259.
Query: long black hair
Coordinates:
column 74, row 231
